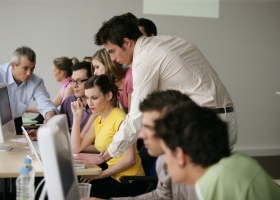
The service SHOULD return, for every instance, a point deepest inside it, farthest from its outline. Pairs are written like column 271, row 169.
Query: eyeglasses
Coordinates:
column 78, row 82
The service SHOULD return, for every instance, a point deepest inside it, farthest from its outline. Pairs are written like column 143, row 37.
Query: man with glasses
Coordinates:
column 81, row 73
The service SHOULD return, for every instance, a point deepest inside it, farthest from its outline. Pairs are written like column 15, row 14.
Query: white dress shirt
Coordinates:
column 163, row 63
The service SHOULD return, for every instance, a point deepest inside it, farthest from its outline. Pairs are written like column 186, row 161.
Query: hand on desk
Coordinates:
column 32, row 134
column 89, row 178
column 88, row 158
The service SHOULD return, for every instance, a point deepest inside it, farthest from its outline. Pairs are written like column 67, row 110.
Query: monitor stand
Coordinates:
column 5, row 148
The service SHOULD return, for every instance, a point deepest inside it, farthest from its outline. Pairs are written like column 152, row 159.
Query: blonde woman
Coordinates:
column 102, row 64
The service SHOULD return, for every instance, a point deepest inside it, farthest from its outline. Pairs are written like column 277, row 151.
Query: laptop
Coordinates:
column 33, row 145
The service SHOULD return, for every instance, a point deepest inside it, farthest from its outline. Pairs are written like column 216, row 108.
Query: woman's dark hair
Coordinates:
column 106, row 85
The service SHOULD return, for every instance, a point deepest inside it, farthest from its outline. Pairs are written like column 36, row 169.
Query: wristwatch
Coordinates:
column 101, row 156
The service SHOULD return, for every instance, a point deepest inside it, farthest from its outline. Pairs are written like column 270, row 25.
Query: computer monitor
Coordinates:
column 57, row 156
column 7, row 125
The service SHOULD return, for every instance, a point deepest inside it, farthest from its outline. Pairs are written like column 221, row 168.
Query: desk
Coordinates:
column 12, row 161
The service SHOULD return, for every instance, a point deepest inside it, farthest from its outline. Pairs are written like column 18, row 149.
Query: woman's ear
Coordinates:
column 109, row 96
column 62, row 73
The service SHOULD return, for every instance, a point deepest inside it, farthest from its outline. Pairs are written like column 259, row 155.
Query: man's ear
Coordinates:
column 182, row 158
column 127, row 42
column 13, row 65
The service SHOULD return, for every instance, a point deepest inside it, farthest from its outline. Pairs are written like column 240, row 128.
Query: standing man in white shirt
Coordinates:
column 24, row 85
column 159, row 63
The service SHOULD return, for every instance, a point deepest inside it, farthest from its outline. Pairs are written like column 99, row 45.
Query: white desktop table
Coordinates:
column 12, row 161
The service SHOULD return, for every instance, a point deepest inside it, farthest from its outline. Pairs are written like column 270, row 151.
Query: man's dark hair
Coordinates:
column 149, row 26
column 160, row 100
column 130, row 16
column 115, row 30
column 197, row 130
column 83, row 65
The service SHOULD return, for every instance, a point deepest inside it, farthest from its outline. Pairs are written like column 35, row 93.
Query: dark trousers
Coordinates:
column 109, row 187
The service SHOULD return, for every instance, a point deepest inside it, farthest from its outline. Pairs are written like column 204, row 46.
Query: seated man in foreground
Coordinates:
column 195, row 142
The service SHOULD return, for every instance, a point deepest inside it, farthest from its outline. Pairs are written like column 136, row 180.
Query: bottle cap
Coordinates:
column 24, row 170
column 27, row 161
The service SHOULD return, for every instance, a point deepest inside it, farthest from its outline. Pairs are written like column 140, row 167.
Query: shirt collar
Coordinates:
column 10, row 78
column 65, row 83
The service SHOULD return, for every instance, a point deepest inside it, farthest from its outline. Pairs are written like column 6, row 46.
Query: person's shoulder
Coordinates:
column 128, row 75
column 3, row 68
column 160, row 160
column 69, row 99
column 117, row 112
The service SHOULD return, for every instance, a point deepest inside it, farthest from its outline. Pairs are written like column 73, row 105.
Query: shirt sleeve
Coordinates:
column 145, row 81
column 42, row 99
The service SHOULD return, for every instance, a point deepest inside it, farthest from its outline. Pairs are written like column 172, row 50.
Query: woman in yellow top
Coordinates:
column 101, row 96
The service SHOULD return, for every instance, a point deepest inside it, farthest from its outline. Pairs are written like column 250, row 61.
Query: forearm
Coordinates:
column 76, row 139
column 49, row 115
column 90, row 149
column 32, row 110
column 127, row 161
column 120, row 166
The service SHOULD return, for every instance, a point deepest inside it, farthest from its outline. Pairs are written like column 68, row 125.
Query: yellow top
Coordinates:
column 104, row 133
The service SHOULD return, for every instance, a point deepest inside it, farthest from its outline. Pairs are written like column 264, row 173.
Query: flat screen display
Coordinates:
column 64, row 160
column 5, row 109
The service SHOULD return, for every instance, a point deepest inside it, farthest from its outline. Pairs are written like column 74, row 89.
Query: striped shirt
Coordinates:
column 163, row 63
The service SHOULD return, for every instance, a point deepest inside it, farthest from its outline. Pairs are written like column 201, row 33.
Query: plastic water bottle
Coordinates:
column 23, row 184
column 27, row 163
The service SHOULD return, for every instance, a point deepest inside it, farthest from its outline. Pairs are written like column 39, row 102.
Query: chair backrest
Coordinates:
column 148, row 162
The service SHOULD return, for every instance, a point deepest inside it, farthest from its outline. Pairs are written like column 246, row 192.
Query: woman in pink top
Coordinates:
column 102, row 64
column 62, row 71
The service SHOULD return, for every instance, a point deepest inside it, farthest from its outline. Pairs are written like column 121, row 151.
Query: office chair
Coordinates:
column 148, row 163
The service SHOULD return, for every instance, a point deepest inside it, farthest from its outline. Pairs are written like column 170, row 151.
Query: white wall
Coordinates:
column 243, row 46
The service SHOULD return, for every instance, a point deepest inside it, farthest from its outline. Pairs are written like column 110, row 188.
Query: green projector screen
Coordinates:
column 191, row 8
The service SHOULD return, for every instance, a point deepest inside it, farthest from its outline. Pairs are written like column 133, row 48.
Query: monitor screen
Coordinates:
column 5, row 108
column 56, row 153
column 64, row 158
column 7, row 125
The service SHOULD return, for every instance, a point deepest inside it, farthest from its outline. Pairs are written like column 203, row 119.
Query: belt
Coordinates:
column 223, row 110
